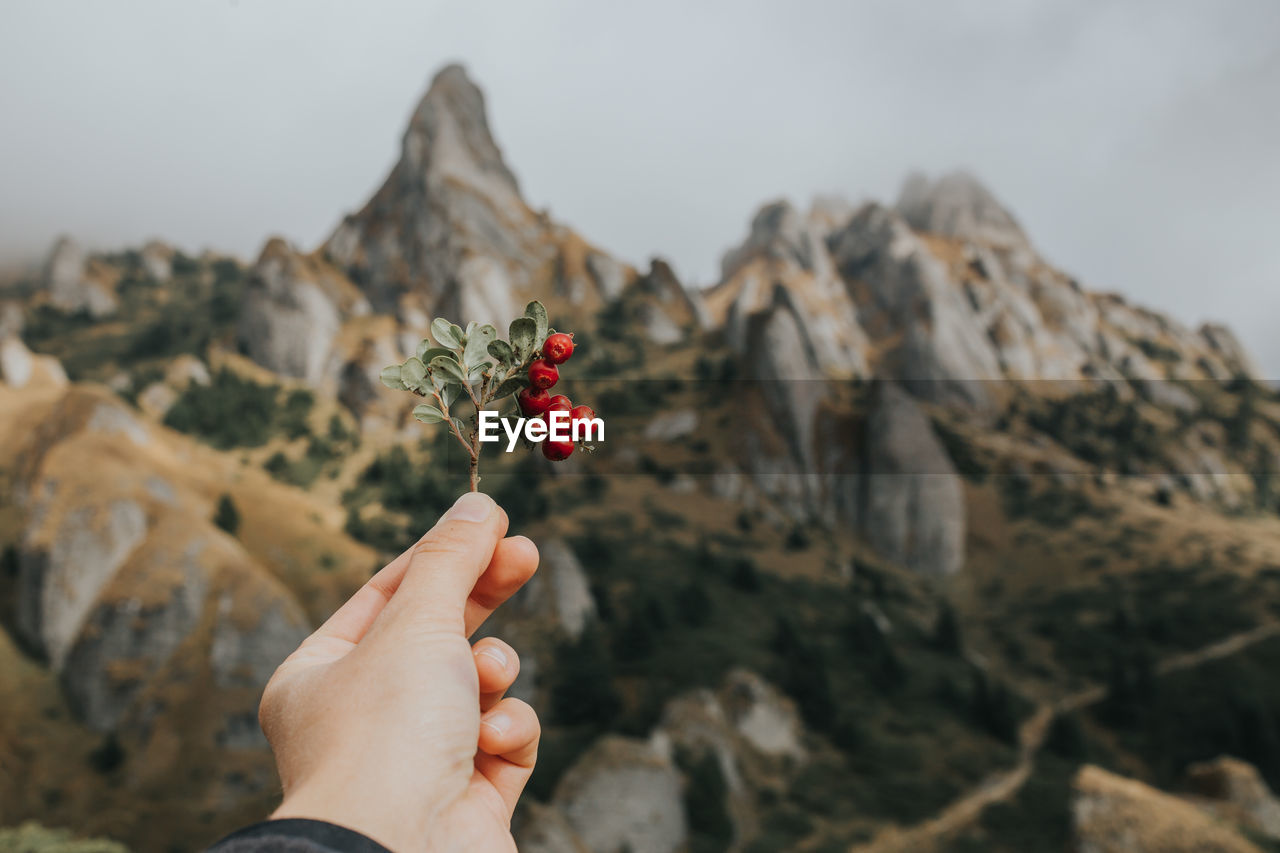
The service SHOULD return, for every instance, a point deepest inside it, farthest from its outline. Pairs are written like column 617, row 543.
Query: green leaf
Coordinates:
column 412, row 374
column 449, row 367
column 536, row 311
column 471, row 328
column 461, row 427
column 501, row 350
column 458, row 334
column 428, row 414
column 511, row 386
column 390, row 377
column 442, row 331
column 478, row 340
column 426, row 351
column 476, row 372
column 523, row 333
column 450, row 392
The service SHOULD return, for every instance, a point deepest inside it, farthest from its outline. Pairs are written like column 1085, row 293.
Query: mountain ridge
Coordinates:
column 887, row 485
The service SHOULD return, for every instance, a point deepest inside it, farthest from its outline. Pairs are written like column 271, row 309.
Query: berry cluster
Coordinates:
column 535, row 402
column 473, row 368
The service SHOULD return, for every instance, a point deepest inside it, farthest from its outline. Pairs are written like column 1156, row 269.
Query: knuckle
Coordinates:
column 444, row 542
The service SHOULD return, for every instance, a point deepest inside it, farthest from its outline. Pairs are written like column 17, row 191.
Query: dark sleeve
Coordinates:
column 296, row 836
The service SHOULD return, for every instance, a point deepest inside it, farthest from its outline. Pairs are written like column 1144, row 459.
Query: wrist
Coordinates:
column 399, row 828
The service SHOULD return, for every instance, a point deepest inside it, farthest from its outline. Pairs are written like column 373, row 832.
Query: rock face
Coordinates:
column 946, row 291
column 911, row 308
column 1231, row 353
column 292, row 313
column 1234, row 790
column 448, row 228
column 121, row 573
column 891, row 480
column 74, row 283
column 559, row 589
column 1110, row 814
column 448, row 232
column 945, row 296
column 157, row 260
column 12, row 320
column 785, row 366
column 913, row 509
column 133, row 629
column 20, row 367
column 67, row 561
column 787, row 250
column 621, row 795
column 762, row 715
column 957, row 205
column 665, row 310
column 625, row 794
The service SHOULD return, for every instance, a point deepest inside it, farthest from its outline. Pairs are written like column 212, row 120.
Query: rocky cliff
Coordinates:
column 75, row 282
column 945, row 291
column 449, row 232
column 153, row 619
column 293, row 311
column 944, row 295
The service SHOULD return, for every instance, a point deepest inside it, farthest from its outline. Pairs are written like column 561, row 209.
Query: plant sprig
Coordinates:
column 474, row 363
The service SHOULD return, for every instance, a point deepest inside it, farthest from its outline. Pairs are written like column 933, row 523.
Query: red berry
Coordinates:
column 543, row 374
column 558, row 348
column 557, row 451
column 559, row 403
column 583, row 414
column 533, row 401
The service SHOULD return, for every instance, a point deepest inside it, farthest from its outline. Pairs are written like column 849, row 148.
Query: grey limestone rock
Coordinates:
column 291, row 314
column 71, row 284
column 958, row 205
column 913, row 510
column 622, row 795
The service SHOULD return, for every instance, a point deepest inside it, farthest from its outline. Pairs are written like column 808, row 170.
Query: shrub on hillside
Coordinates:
column 230, row 412
column 227, row 516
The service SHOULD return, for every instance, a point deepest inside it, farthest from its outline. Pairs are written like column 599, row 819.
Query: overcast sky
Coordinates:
column 1139, row 143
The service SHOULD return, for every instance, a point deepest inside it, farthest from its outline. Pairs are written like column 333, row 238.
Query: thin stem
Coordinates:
column 475, row 453
column 471, row 392
column 453, row 428
column 487, row 387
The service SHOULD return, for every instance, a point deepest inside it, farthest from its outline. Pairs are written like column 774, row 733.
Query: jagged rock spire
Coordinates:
column 449, row 222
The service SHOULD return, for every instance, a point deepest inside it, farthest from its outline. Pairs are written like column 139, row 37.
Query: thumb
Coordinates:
column 445, row 565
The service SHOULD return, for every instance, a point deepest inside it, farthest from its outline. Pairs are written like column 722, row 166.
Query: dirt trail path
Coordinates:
column 1004, row 785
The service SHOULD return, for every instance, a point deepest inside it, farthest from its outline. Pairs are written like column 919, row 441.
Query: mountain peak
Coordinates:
column 777, row 230
column 450, row 197
column 449, row 133
column 958, row 205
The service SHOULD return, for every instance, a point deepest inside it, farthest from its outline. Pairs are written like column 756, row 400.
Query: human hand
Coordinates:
column 388, row 722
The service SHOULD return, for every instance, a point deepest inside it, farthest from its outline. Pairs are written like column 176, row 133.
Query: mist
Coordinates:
column 1136, row 144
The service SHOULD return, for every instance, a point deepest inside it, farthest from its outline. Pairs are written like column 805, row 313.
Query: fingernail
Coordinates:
column 498, row 722
column 473, row 506
column 494, row 653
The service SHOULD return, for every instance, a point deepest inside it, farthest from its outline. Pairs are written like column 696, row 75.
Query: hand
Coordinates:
column 388, row 722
